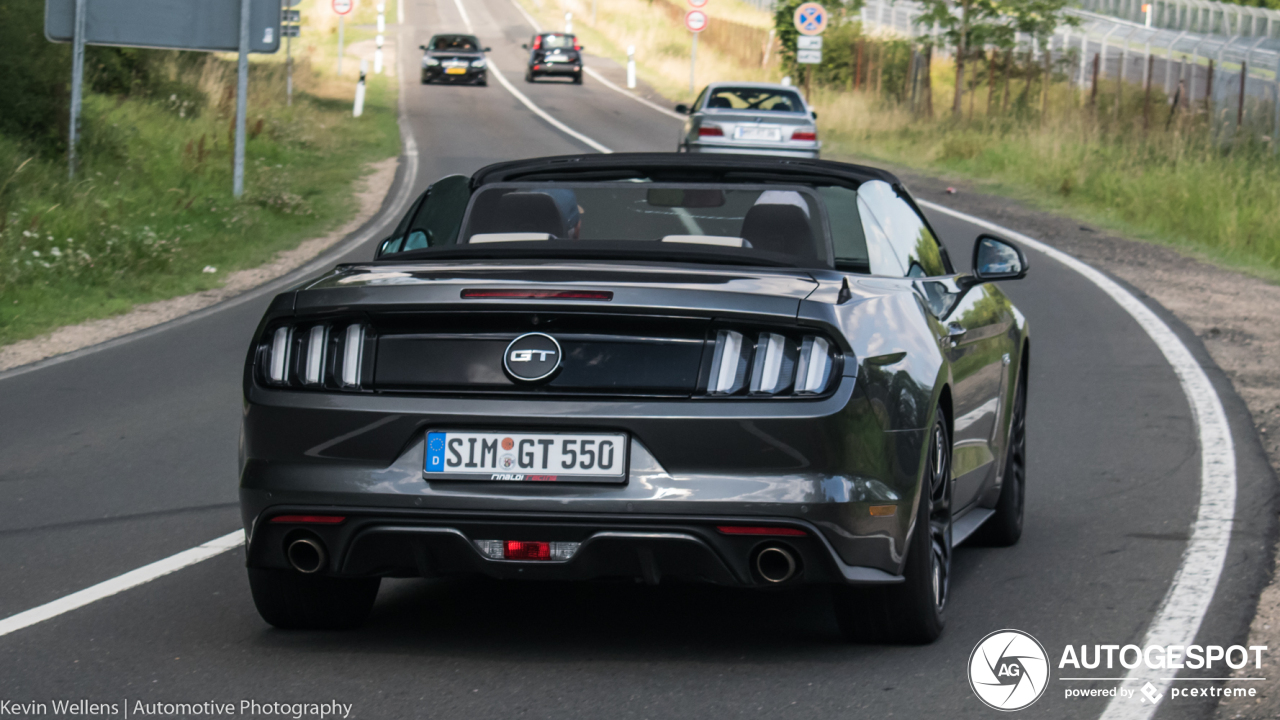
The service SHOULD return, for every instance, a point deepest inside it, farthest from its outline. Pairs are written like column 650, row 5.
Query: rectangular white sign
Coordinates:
column 809, row 57
column 809, row 42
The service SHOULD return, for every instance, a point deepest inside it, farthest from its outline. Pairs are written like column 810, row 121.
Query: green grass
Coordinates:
column 1218, row 199
column 152, row 206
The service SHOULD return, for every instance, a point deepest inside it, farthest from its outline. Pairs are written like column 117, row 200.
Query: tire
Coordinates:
column 425, row 80
column 577, row 79
column 528, row 76
column 1005, row 527
column 911, row 612
column 292, row 601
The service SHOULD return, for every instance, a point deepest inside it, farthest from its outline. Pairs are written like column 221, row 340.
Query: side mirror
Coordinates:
column 582, row 47
column 488, row 49
column 814, row 113
column 682, row 109
column 524, row 46
column 390, row 245
column 997, row 259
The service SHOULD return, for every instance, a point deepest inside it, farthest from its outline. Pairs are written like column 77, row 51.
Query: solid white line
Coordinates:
column 593, row 73
column 1179, row 616
column 543, row 113
column 119, row 584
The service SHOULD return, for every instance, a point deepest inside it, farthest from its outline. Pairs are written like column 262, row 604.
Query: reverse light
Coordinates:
column 279, row 360
column 761, row 530
column 809, row 135
column 813, row 369
column 526, row 549
column 352, row 355
column 309, row 519
column 775, row 361
column 728, row 365
column 710, row 131
column 312, row 372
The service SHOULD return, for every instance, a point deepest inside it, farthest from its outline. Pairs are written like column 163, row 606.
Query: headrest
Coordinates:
column 780, row 229
column 530, row 212
column 719, row 102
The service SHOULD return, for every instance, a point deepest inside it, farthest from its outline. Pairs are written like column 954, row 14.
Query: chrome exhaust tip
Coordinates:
column 776, row 564
column 306, row 555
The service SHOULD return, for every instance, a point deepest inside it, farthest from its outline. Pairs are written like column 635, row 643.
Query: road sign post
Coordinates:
column 810, row 20
column 242, row 99
column 382, row 27
column 289, row 24
column 342, row 7
column 696, row 22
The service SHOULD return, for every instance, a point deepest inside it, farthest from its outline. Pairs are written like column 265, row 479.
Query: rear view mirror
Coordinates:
column 682, row 109
column 997, row 259
column 676, row 197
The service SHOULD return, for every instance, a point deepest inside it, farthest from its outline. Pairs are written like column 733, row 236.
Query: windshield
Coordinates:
column 768, row 224
column 455, row 43
column 557, row 42
column 754, row 99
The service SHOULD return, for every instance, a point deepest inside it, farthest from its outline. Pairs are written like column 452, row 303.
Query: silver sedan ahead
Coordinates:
column 756, row 118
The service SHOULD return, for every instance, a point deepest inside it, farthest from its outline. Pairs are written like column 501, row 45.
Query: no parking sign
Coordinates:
column 811, row 19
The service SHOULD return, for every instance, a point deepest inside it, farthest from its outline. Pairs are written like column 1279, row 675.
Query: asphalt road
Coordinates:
column 127, row 455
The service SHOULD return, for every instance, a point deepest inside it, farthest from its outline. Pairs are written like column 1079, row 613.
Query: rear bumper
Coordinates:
column 556, row 69
column 822, row 463
column 744, row 149
column 650, row 548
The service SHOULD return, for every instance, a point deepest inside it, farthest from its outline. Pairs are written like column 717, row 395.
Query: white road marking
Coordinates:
column 1180, row 614
column 604, row 80
column 543, row 113
column 119, row 584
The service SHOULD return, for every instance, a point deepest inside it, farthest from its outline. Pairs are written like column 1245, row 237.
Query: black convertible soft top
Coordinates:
column 679, row 167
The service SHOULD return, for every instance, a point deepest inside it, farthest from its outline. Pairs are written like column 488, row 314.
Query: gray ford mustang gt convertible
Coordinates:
column 744, row 370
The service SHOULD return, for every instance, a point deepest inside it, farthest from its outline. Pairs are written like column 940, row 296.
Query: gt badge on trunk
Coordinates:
column 532, row 357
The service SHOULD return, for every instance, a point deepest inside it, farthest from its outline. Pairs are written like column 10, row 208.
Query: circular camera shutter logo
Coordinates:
column 532, row 357
column 1008, row 670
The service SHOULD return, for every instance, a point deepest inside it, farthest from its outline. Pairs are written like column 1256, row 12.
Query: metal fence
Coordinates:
column 1202, row 16
column 1180, row 59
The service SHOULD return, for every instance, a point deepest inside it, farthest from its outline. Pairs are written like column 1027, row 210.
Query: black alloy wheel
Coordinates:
column 1005, row 527
column 911, row 612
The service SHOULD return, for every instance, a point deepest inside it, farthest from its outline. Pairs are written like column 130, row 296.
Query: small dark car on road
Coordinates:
column 749, row 371
column 554, row 55
column 454, row 58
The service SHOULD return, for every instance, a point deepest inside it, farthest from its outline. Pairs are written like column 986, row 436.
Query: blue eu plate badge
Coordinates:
column 435, row 452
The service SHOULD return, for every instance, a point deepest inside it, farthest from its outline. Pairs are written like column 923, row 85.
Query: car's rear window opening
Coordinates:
column 556, row 41
column 780, row 221
column 454, row 43
column 754, row 99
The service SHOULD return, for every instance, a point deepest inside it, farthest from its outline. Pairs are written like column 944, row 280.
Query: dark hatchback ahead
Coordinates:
column 454, row 58
column 554, row 55
column 741, row 370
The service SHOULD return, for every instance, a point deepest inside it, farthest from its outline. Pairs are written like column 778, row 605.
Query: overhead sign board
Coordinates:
column 695, row 20
column 810, row 19
column 212, row 25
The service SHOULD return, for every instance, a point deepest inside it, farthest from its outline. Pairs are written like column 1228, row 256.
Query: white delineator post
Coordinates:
column 242, row 99
column 631, row 67
column 382, row 28
column 341, row 27
column 358, row 109
column 693, row 61
column 568, row 23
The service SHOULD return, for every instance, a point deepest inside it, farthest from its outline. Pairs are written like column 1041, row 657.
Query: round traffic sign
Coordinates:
column 811, row 19
column 342, row 7
column 697, row 3
column 695, row 20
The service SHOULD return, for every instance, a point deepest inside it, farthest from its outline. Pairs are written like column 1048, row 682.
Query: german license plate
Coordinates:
column 758, row 133
column 526, row 457
column 455, row 71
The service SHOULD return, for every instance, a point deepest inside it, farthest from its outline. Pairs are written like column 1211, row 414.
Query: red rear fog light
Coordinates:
column 527, row 550
column 710, row 131
column 810, row 136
